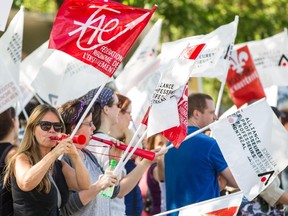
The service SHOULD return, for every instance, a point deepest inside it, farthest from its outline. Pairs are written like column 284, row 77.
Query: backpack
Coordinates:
column 6, row 201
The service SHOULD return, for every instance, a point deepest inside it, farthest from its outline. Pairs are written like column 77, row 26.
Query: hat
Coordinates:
column 103, row 98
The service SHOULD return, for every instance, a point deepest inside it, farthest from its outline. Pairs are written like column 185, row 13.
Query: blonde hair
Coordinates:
column 29, row 146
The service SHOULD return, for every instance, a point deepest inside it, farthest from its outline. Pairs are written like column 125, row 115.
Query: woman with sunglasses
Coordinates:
column 86, row 202
column 39, row 181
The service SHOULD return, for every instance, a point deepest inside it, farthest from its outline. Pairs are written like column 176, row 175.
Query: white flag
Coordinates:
column 48, row 81
column 227, row 205
column 143, row 61
column 81, row 77
column 30, row 66
column 254, row 144
column 270, row 57
column 214, row 60
column 9, row 92
column 141, row 94
column 5, row 7
column 58, row 77
column 11, row 45
column 174, row 77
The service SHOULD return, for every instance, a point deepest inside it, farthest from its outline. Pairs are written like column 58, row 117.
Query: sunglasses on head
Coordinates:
column 46, row 126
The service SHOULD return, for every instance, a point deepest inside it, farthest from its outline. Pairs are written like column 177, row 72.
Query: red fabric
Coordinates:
column 242, row 80
column 96, row 32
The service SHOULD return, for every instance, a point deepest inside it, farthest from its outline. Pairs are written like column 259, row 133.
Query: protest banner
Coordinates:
column 254, row 144
column 99, row 33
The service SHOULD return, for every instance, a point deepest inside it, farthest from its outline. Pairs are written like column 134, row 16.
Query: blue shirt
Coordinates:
column 191, row 171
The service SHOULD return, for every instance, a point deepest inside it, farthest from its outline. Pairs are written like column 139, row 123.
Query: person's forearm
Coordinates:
column 82, row 175
column 131, row 180
column 87, row 195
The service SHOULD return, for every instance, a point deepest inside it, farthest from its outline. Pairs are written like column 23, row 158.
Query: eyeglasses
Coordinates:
column 90, row 124
column 46, row 126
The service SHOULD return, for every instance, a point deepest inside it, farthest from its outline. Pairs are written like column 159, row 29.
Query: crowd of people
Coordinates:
column 44, row 175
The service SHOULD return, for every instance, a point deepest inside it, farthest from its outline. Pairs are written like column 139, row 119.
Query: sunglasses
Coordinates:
column 46, row 126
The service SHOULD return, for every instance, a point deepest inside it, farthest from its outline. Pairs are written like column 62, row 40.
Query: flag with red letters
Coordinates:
column 99, row 33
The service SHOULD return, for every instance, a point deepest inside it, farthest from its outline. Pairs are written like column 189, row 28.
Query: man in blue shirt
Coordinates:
column 192, row 170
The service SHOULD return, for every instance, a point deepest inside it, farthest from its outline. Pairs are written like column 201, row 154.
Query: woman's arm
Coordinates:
column 28, row 176
column 77, row 178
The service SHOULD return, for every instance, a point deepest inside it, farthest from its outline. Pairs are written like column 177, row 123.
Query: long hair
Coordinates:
column 30, row 147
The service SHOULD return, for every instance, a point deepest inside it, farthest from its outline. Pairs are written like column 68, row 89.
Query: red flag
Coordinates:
column 178, row 133
column 97, row 32
column 243, row 80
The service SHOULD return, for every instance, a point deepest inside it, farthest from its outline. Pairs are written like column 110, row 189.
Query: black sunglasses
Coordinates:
column 46, row 126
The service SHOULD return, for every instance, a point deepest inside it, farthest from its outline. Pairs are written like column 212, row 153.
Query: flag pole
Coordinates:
column 219, row 99
column 119, row 165
column 88, row 108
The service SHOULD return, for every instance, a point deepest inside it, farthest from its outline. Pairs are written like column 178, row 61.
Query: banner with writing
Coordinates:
column 254, row 144
column 99, row 33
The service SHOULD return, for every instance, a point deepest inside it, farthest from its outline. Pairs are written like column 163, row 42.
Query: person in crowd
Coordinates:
column 39, row 181
column 9, row 126
column 271, row 200
column 156, row 177
column 105, row 115
column 121, row 131
column 86, row 202
column 191, row 171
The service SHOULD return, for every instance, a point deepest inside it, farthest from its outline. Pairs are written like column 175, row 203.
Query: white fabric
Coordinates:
column 11, row 45
column 9, row 92
column 214, row 60
column 5, row 7
column 273, row 192
column 254, row 144
column 143, row 61
column 270, row 57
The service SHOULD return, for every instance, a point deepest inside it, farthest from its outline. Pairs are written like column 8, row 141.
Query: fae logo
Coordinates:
column 102, row 29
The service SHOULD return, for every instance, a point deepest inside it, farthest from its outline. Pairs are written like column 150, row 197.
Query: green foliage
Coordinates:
column 46, row 6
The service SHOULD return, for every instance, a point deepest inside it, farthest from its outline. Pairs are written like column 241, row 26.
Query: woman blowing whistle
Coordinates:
column 40, row 183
